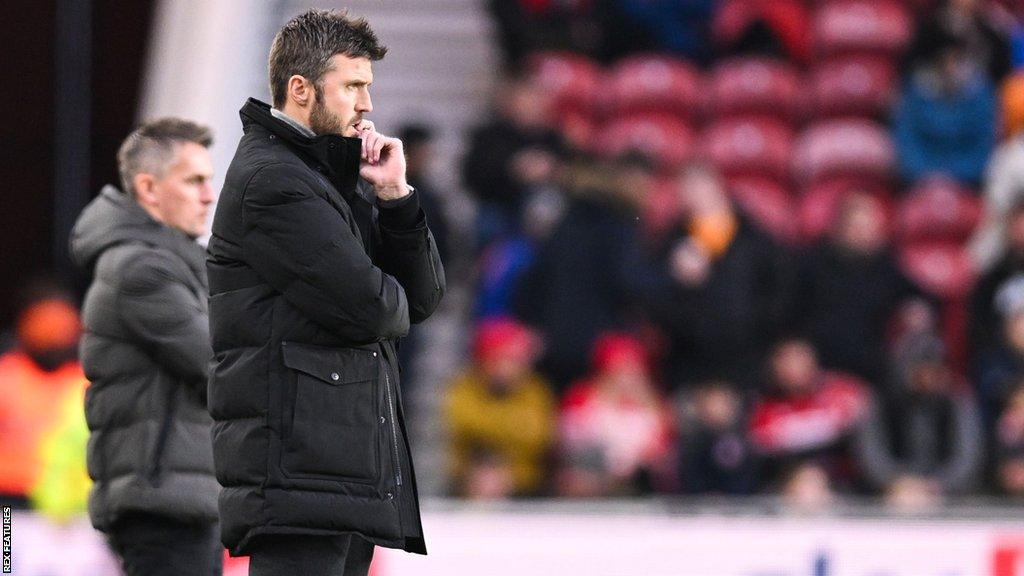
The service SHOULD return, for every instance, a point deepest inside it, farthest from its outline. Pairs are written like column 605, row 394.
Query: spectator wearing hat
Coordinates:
column 614, row 428
column 1004, row 177
column 500, row 415
column 806, row 413
column 927, row 433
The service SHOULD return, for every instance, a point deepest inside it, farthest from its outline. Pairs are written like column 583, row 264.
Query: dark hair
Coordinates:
column 150, row 148
column 306, row 44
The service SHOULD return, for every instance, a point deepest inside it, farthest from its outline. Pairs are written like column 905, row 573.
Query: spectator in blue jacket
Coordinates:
column 945, row 121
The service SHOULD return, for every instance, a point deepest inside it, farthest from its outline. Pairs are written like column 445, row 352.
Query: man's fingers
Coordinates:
column 377, row 147
column 374, row 144
column 364, row 129
column 369, row 139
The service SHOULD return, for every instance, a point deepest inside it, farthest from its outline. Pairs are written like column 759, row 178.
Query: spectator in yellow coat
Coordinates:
column 500, row 416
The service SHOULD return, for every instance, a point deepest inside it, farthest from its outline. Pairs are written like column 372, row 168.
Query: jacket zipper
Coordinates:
column 430, row 256
column 162, row 436
column 394, row 431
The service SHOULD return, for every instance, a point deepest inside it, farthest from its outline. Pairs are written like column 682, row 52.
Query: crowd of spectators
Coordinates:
column 721, row 247
column 748, row 247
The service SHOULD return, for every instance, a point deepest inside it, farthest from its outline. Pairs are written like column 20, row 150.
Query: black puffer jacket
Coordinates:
column 310, row 285
column 146, row 350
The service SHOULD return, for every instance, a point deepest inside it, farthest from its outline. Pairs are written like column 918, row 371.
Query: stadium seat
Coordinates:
column 578, row 129
column 861, row 26
column 819, row 204
column 768, row 205
column 665, row 139
column 661, row 207
column 749, row 147
column 944, row 269
column 938, row 209
column 853, row 86
column 655, row 84
column 571, row 79
column 755, row 86
column 844, row 148
column 788, row 21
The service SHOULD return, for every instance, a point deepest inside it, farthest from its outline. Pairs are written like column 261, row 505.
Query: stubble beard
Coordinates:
column 322, row 121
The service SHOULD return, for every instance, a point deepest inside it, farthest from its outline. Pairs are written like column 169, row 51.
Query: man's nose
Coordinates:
column 364, row 105
column 206, row 195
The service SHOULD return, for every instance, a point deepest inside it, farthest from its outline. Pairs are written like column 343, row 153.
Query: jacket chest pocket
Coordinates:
column 333, row 429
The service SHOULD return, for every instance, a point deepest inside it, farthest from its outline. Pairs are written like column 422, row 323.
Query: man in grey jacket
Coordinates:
column 146, row 350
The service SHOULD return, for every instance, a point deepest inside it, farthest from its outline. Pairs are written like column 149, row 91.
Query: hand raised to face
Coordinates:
column 382, row 162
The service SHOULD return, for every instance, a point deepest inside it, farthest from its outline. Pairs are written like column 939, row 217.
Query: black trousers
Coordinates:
column 150, row 545
column 290, row 555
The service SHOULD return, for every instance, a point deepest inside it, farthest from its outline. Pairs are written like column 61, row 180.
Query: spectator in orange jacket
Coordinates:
column 36, row 378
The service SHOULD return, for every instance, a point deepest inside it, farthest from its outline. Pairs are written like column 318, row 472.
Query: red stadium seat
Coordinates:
column 571, row 79
column 787, row 20
column 666, row 139
column 854, row 86
column 749, row 147
column 661, row 207
column 819, row 204
column 655, row 84
column 857, row 26
column 578, row 129
column 755, row 86
column 768, row 204
column 944, row 269
column 938, row 209
column 844, row 148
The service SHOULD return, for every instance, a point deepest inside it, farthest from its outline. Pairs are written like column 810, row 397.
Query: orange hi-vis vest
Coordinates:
column 31, row 407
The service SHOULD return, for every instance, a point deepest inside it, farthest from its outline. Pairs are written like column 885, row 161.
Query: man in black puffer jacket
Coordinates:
column 146, row 351
column 320, row 258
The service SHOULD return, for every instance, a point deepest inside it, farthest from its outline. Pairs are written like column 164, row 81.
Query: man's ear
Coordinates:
column 300, row 91
column 145, row 189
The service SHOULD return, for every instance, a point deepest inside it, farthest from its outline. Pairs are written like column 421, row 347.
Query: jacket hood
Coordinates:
column 114, row 218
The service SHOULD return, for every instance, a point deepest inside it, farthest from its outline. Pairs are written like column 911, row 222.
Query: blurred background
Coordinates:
column 736, row 286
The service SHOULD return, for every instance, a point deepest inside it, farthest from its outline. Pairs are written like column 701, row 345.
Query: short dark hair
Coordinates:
column 151, row 147
column 306, row 44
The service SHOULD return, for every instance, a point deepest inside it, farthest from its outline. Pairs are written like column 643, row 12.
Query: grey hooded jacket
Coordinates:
column 146, row 350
